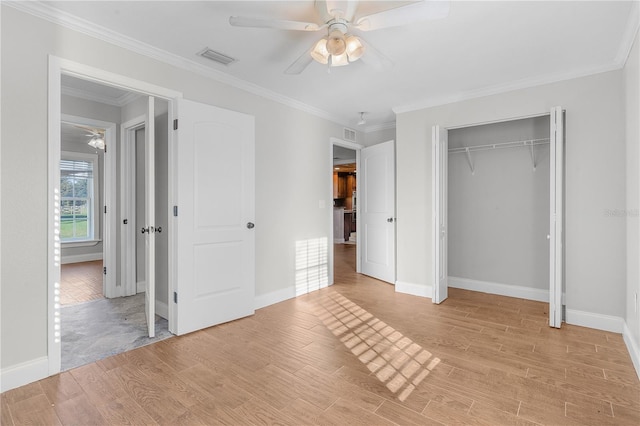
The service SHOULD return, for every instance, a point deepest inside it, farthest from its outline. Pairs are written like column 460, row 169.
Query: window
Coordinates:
column 79, row 194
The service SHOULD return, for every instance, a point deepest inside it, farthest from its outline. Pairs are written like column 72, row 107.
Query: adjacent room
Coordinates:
column 320, row 212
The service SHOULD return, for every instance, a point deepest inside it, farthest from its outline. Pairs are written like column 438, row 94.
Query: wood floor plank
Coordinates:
column 355, row 353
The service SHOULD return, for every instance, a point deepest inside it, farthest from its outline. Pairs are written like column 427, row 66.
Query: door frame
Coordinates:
column 128, row 232
column 57, row 67
column 555, row 292
column 356, row 147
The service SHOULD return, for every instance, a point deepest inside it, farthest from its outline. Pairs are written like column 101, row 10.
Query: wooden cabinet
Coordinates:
column 347, row 226
column 339, row 185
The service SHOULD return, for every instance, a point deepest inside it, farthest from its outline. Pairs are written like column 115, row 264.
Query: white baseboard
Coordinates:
column 24, row 373
column 501, row 289
column 597, row 321
column 632, row 347
column 277, row 296
column 141, row 287
column 162, row 309
column 77, row 258
column 414, row 289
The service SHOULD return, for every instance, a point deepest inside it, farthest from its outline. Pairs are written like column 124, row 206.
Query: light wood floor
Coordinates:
column 355, row 353
column 80, row 282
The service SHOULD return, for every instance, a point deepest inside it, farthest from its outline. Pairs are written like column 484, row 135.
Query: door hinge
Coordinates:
column 175, row 124
column 105, row 209
column 104, row 270
column 105, row 149
column 175, row 297
column 175, row 210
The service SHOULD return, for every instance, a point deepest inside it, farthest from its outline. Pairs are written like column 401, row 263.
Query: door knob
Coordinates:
column 159, row 229
column 143, row 230
column 390, row 219
column 250, row 225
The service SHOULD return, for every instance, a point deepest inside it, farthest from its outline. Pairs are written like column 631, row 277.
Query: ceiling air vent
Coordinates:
column 218, row 57
column 349, row 135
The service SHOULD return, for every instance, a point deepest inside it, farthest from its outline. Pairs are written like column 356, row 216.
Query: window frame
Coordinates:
column 94, row 237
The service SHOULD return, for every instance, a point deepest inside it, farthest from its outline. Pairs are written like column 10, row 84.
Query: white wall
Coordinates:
column 595, row 182
column 378, row 136
column 498, row 216
column 632, row 96
column 292, row 168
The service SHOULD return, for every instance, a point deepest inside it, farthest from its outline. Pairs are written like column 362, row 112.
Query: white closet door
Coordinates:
column 439, row 158
column 556, row 174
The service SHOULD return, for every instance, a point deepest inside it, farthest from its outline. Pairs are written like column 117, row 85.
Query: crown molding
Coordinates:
column 381, row 126
column 67, row 20
column 633, row 24
column 504, row 88
column 631, row 30
column 120, row 101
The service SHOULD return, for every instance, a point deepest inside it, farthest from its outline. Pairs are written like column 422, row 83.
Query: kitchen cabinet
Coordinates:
column 339, row 185
column 347, row 225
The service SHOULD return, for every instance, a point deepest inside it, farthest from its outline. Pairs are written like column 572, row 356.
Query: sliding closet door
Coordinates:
column 439, row 159
column 556, row 170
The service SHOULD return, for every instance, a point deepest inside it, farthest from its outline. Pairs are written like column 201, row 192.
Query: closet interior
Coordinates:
column 498, row 207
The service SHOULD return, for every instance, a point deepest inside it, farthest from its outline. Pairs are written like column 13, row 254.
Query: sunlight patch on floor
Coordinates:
column 393, row 358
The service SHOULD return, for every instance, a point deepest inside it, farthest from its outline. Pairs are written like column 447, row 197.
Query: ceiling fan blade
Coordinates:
column 241, row 21
column 374, row 58
column 300, row 64
column 423, row 10
column 330, row 9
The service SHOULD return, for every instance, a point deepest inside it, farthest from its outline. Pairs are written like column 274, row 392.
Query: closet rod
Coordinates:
column 514, row 144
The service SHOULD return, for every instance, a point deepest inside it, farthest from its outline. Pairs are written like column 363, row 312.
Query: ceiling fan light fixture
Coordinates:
column 362, row 121
column 319, row 52
column 354, row 49
column 339, row 60
column 97, row 142
column 336, row 45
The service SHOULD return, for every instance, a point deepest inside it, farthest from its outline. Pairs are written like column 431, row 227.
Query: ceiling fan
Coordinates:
column 340, row 19
column 96, row 136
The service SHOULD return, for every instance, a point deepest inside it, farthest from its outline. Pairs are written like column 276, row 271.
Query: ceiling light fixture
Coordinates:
column 97, row 142
column 362, row 120
column 338, row 48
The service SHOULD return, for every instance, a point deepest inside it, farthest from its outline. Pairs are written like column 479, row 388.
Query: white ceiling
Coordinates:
column 482, row 47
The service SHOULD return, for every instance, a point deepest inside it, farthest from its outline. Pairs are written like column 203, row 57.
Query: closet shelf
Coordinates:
column 530, row 143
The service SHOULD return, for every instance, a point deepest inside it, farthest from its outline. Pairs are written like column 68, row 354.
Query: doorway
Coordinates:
column 498, row 209
column 91, row 330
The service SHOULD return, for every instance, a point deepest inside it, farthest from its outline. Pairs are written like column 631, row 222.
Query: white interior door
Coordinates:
column 439, row 160
column 376, row 201
column 556, row 169
column 149, row 226
column 215, row 278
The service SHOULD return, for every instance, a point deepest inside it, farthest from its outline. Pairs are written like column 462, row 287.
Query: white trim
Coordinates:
column 630, row 31
column 77, row 258
column 264, row 300
column 121, row 101
column 356, row 147
column 593, row 320
column 128, row 232
column 414, row 289
column 85, row 243
column 141, row 286
column 509, row 290
column 24, row 373
column 632, row 346
column 162, row 309
column 97, row 179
